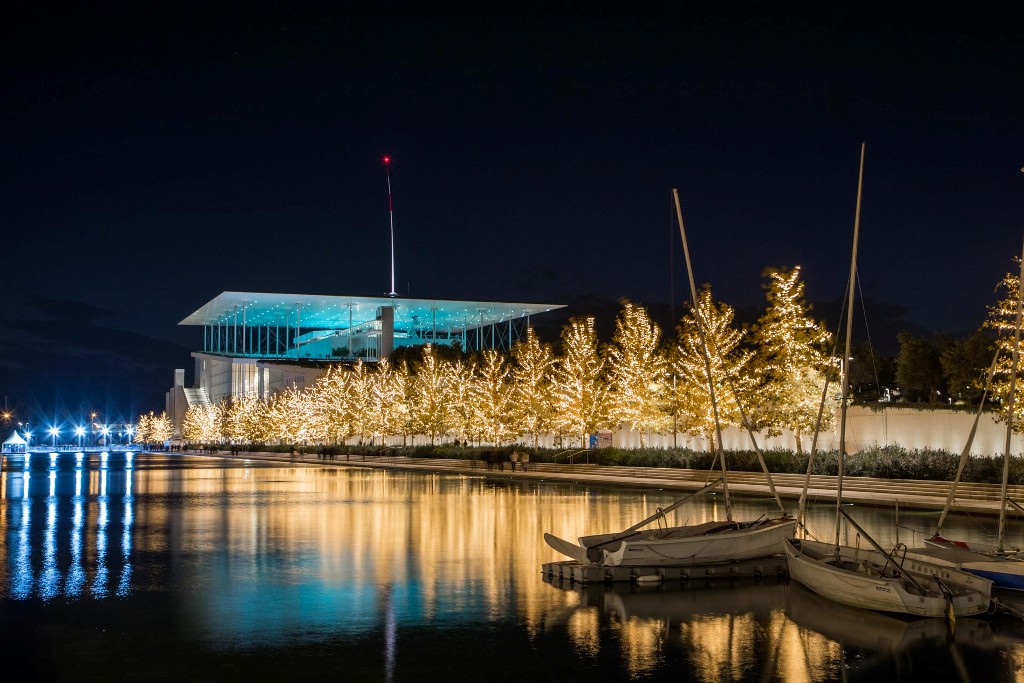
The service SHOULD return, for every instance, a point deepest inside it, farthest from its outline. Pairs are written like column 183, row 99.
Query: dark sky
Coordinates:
column 154, row 158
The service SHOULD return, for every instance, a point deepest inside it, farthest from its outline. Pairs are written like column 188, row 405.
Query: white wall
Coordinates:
column 913, row 429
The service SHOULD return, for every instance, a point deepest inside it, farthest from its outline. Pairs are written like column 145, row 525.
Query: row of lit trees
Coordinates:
column 770, row 376
column 153, row 428
column 774, row 372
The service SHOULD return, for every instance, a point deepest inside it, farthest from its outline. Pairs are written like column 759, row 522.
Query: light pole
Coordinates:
column 79, row 432
column 129, row 432
column 54, row 432
column 104, row 430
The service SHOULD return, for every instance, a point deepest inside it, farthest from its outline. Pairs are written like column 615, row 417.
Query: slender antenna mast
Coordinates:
column 391, row 216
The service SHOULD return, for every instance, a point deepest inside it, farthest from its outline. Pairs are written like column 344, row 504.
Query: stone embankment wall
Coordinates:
column 912, row 429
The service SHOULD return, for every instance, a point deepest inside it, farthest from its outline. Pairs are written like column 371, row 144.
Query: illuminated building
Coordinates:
column 258, row 343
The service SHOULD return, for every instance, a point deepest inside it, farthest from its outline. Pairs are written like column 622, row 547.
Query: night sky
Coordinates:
column 156, row 157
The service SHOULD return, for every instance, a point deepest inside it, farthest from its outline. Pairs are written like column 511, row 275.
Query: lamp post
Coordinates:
column 129, row 432
column 104, row 430
column 79, row 432
column 53, row 433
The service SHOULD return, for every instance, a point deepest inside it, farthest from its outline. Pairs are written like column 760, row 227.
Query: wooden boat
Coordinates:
column 698, row 544
column 875, row 579
column 680, row 546
column 870, row 580
column 1002, row 571
column 710, row 543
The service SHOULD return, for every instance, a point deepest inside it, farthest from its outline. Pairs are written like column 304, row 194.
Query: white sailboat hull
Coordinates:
column 673, row 548
column 857, row 581
column 1005, row 571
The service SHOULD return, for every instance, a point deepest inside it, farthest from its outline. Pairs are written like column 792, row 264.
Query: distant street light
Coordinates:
column 54, row 432
column 105, row 430
column 79, row 432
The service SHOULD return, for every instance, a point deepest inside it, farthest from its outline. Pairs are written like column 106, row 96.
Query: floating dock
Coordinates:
column 595, row 573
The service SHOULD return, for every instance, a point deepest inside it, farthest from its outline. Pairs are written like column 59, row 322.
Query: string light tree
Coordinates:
column 1002, row 318
column 289, row 415
column 636, row 373
column 727, row 362
column 531, row 385
column 493, row 397
column 791, row 359
column 578, row 391
column 331, row 397
column 144, row 428
column 428, row 396
column 162, row 428
column 386, row 410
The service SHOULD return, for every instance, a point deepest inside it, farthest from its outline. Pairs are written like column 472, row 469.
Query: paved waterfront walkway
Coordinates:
column 908, row 493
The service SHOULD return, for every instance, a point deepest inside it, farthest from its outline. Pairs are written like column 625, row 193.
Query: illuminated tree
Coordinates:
column 578, row 392
column 1002, row 319
column 727, row 362
column 331, row 409
column 161, row 428
column 144, row 428
column 430, row 409
column 531, row 386
column 636, row 372
column 791, row 360
column 464, row 410
column 386, row 410
column 244, row 419
column 201, row 424
column 359, row 393
column 289, row 416
column 492, row 397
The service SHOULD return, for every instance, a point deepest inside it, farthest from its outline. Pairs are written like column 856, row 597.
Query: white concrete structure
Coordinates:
column 945, row 430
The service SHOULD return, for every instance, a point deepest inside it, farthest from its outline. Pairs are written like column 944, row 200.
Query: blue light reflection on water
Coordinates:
column 51, row 503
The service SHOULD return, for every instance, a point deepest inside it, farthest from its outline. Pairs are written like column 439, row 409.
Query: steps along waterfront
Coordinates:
column 907, row 493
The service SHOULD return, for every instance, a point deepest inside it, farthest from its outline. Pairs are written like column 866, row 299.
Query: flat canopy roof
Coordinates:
column 326, row 311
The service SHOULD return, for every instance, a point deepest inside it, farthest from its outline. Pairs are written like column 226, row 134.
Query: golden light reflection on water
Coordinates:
column 261, row 553
column 585, row 631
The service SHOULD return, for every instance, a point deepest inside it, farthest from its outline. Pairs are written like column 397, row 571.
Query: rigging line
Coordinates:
column 728, row 373
column 671, row 268
column 867, row 332
column 802, row 504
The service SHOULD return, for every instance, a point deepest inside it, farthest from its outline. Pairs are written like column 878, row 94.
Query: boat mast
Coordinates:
column 1009, row 404
column 965, row 454
column 846, row 354
column 707, row 359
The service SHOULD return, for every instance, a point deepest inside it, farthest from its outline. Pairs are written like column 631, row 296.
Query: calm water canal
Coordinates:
column 153, row 567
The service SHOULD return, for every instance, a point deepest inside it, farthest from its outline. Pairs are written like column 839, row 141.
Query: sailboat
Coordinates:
column 873, row 578
column 715, row 542
column 1003, row 565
